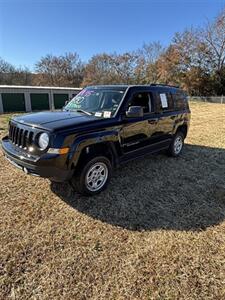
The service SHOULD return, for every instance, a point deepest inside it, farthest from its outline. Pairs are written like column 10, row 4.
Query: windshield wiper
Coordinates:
column 84, row 111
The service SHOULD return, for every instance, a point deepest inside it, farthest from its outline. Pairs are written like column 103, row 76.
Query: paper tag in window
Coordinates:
column 98, row 114
column 164, row 100
column 107, row 114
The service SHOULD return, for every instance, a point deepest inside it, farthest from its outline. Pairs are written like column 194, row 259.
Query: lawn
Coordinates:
column 157, row 232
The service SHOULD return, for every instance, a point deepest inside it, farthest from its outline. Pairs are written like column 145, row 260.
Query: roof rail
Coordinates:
column 166, row 85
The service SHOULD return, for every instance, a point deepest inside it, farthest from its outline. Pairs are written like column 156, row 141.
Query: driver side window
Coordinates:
column 142, row 99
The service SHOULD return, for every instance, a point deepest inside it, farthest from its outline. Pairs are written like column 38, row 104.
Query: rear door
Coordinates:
column 166, row 114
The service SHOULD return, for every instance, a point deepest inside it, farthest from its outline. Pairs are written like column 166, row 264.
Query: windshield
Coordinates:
column 99, row 102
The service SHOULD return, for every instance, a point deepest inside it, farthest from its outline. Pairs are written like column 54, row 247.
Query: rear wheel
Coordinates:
column 93, row 176
column 177, row 144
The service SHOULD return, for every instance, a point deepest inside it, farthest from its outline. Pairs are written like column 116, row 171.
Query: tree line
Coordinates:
column 194, row 60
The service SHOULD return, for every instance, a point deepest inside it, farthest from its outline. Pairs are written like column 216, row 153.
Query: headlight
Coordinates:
column 43, row 141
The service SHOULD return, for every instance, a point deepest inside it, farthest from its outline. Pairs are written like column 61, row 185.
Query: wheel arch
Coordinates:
column 104, row 148
column 183, row 128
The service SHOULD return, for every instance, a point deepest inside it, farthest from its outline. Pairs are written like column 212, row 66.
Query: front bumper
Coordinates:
column 51, row 166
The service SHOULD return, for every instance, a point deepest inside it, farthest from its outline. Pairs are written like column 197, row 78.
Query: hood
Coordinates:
column 54, row 120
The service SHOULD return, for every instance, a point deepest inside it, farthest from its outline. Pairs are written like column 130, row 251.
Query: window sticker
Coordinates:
column 98, row 114
column 86, row 92
column 164, row 101
column 107, row 114
column 79, row 99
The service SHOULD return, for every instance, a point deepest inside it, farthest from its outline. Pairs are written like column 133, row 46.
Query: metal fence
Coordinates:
column 210, row 99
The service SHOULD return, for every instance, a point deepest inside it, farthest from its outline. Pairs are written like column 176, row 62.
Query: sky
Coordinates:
column 30, row 29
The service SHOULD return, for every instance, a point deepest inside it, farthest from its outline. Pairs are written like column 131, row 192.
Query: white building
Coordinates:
column 34, row 98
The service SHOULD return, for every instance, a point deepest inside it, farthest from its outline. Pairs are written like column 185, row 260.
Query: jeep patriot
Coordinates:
column 99, row 129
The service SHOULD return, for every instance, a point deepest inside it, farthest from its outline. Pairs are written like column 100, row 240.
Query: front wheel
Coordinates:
column 93, row 176
column 177, row 144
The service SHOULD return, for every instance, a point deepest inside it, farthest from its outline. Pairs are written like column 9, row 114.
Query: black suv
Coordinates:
column 99, row 129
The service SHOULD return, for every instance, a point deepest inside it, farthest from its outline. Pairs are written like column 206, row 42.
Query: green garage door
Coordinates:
column 59, row 100
column 13, row 102
column 39, row 101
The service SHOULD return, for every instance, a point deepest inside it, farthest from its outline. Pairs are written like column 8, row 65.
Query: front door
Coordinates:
column 136, row 133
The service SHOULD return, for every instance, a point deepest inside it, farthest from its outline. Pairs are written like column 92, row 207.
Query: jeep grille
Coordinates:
column 20, row 137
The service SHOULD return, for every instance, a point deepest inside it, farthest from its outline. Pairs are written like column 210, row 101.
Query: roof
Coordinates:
column 38, row 87
column 109, row 86
column 125, row 86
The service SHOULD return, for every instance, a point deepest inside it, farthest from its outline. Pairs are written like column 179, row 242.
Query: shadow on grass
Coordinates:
column 157, row 192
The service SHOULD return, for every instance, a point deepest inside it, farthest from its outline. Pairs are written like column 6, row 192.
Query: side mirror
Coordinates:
column 134, row 112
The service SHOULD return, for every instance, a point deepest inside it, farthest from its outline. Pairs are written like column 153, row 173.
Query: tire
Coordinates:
column 93, row 176
column 176, row 145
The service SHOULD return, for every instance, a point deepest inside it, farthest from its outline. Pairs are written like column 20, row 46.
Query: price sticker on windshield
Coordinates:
column 107, row 114
column 98, row 114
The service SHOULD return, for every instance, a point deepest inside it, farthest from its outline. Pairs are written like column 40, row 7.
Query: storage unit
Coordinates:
column 13, row 102
column 59, row 100
column 14, row 98
column 39, row 101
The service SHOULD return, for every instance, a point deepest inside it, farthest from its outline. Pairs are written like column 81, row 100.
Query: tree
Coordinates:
column 124, row 66
column 64, row 70
column 196, row 59
column 11, row 75
column 111, row 69
column 192, row 71
column 186, row 63
column 214, row 39
column 146, row 70
column 6, row 71
column 99, row 70
column 168, row 66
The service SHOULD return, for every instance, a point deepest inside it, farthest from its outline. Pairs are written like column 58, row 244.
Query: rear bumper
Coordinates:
column 45, row 166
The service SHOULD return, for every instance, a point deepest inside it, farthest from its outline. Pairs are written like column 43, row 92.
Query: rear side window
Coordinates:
column 180, row 101
column 165, row 102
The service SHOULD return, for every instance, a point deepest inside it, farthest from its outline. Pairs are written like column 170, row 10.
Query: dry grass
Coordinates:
column 157, row 232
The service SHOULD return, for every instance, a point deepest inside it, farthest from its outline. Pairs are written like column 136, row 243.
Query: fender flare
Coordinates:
column 182, row 121
column 183, row 124
column 82, row 142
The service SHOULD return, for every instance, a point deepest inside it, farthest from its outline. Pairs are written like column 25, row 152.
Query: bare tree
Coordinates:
column 6, row 72
column 11, row 75
column 124, row 66
column 168, row 66
column 146, row 70
column 64, row 70
column 214, row 38
column 99, row 70
column 110, row 69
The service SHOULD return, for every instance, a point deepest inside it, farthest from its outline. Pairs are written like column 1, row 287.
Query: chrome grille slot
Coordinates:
column 10, row 132
column 30, row 137
column 24, row 139
column 13, row 134
column 20, row 137
column 16, row 135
